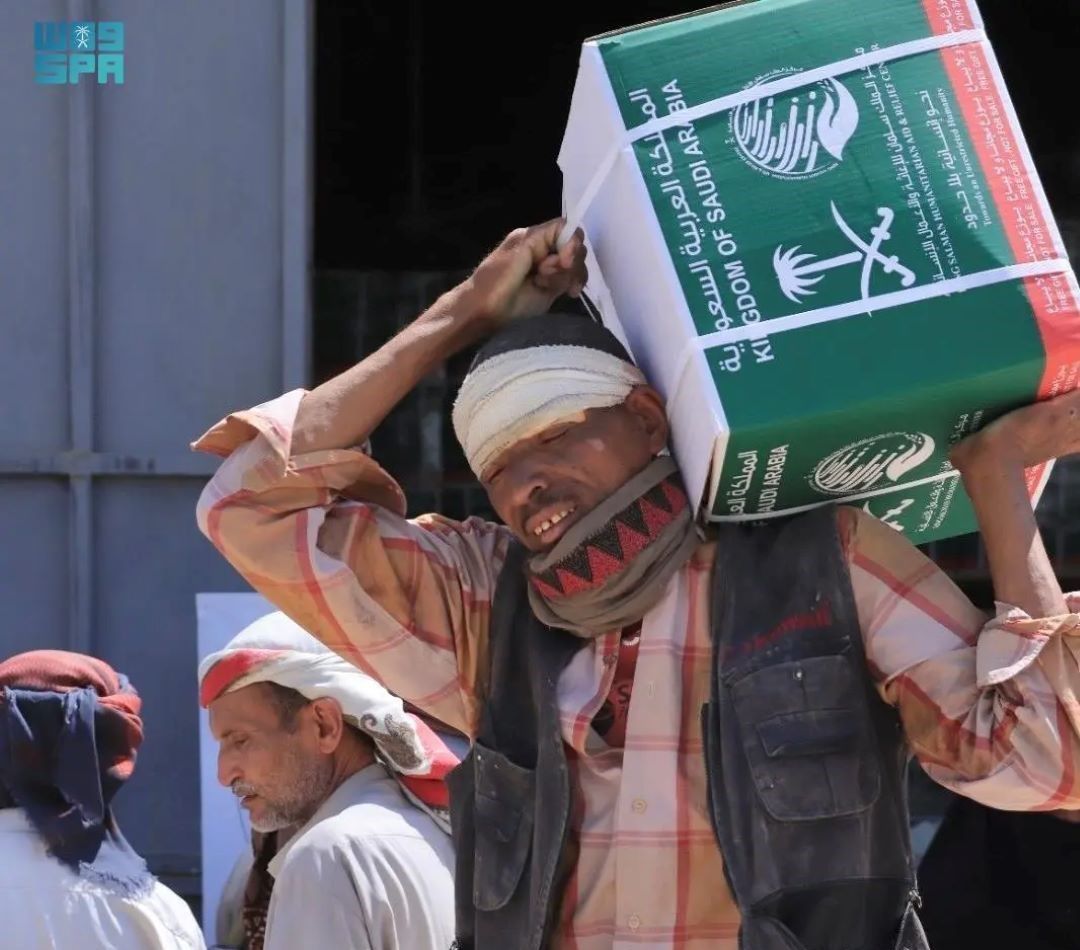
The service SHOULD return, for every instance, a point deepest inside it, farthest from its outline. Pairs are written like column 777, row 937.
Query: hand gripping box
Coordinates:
column 818, row 227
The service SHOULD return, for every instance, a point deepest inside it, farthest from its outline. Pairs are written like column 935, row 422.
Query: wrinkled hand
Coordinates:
column 1024, row 437
column 526, row 273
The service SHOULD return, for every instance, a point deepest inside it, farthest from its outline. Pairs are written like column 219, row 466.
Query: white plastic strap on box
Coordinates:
column 847, row 500
column 732, row 101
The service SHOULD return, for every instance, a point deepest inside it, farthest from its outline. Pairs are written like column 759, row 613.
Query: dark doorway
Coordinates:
column 437, row 126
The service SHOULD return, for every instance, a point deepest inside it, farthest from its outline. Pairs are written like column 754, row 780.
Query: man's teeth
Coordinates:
column 551, row 522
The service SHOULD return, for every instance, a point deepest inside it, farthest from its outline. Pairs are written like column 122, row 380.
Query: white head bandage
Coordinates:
column 519, row 393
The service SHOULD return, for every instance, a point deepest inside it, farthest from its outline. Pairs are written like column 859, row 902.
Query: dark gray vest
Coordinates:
column 806, row 763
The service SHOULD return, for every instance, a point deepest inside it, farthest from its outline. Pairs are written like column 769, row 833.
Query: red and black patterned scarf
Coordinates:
column 612, row 566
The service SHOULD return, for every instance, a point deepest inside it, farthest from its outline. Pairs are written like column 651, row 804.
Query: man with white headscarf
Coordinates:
column 309, row 743
column 680, row 740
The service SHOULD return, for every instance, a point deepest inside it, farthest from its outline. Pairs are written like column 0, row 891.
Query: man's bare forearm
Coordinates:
column 345, row 410
column 1019, row 566
column 522, row 276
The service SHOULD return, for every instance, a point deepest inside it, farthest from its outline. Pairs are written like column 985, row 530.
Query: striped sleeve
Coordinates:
column 324, row 538
column 988, row 704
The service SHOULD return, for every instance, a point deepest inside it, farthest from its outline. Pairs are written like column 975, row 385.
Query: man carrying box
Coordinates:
column 675, row 737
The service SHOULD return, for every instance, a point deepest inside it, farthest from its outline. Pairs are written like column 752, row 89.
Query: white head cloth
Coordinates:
column 274, row 649
column 519, row 393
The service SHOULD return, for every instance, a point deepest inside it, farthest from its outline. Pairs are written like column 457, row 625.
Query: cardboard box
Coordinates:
column 818, row 227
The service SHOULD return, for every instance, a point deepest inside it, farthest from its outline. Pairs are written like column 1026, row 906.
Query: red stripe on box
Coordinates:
column 948, row 16
column 1015, row 192
column 1058, row 317
column 989, row 124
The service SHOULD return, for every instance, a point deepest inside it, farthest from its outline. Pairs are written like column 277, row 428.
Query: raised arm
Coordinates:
column 992, row 464
column 316, row 526
column 522, row 276
column 989, row 705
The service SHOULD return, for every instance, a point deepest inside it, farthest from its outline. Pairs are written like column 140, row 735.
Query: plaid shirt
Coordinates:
column 988, row 704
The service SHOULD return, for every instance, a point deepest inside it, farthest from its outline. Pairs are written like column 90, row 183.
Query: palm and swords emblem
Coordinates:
column 798, row 273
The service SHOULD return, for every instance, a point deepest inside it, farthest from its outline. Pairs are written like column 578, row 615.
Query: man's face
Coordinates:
column 275, row 768
column 542, row 484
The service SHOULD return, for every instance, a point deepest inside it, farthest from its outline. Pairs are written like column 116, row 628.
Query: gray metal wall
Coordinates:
column 153, row 275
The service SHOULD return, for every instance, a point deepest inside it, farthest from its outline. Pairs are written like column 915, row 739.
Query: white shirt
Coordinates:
column 44, row 905
column 368, row 871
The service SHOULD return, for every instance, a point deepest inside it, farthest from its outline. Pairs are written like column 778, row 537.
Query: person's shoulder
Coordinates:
column 174, row 914
column 866, row 538
column 385, row 817
column 472, row 527
column 861, row 537
column 357, row 851
column 366, row 828
column 315, row 857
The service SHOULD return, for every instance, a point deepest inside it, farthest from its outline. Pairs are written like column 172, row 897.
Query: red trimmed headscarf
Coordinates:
column 274, row 649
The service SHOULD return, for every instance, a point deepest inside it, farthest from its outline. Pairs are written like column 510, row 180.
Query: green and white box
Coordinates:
column 818, row 227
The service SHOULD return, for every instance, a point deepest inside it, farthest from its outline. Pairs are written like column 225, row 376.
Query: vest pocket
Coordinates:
column 805, row 728
column 504, row 803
